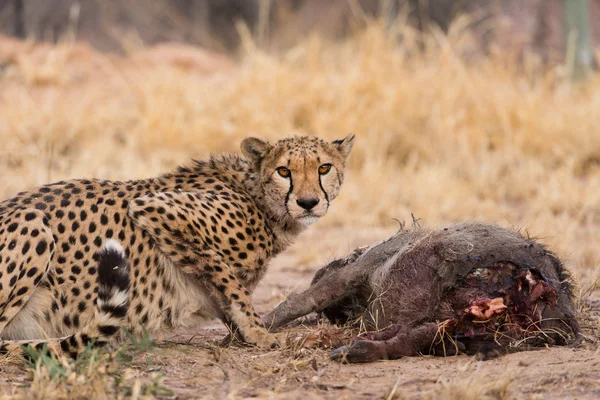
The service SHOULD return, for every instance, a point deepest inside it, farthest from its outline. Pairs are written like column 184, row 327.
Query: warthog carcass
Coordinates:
column 470, row 287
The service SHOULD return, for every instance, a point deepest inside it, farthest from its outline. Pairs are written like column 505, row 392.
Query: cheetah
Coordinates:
column 82, row 261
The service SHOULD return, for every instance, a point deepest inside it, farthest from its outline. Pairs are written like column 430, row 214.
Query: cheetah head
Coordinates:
column 299, row 176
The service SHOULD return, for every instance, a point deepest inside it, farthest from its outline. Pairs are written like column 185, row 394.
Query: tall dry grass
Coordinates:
column 441, row 133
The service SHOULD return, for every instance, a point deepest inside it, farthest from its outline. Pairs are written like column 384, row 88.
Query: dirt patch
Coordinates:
column 194, row 371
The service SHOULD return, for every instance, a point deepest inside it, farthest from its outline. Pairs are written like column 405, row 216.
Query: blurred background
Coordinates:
column 537, row 25
column 469, row 109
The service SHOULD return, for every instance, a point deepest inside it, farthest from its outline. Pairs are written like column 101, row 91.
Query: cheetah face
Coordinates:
column 299, row 176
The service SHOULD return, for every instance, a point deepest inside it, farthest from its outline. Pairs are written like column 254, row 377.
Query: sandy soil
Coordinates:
column 197, row 366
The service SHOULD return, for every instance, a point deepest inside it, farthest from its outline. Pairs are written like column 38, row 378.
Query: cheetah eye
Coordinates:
column 284, row 172
column 323, row 169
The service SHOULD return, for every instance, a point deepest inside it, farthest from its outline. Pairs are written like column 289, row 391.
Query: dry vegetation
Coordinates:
column 441, row 134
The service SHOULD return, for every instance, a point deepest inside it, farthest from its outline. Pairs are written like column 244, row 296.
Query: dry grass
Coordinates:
column 95, row 374
column 473, row 387
column 442, row 135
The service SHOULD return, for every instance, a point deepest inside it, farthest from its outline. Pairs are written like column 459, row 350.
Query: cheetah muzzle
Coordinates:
column 81, row 259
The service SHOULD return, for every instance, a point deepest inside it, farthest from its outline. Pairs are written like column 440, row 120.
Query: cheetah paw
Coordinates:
column 262, row 339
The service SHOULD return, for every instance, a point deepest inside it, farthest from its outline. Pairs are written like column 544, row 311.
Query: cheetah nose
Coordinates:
column 307, row 204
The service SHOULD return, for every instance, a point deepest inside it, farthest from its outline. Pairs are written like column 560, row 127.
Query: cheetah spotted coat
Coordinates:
column 81, row 258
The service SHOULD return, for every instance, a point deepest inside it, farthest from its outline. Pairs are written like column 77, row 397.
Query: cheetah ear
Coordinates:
column 255, row 149
column 344, row 146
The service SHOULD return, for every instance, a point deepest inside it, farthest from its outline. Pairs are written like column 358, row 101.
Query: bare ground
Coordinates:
column 197, row 366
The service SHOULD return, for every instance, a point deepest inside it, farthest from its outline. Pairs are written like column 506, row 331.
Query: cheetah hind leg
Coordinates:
column 26, row 248
column 111, row 309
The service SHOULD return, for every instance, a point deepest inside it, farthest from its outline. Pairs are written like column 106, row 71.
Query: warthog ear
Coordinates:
column 344, row 146
column 254, row 149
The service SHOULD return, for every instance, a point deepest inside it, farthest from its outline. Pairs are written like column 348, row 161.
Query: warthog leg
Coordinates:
column 406, row 342
column 331, row 289
column 334, row 284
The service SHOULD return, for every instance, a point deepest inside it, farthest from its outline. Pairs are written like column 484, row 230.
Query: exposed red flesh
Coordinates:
column 516, row 311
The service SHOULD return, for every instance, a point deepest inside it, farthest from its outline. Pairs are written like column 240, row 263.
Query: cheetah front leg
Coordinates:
column 26, row 248
column 234, row 300
column 170, row 219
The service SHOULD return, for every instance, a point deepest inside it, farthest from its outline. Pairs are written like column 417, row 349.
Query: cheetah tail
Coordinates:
column 111, row 308
column 113, row 293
